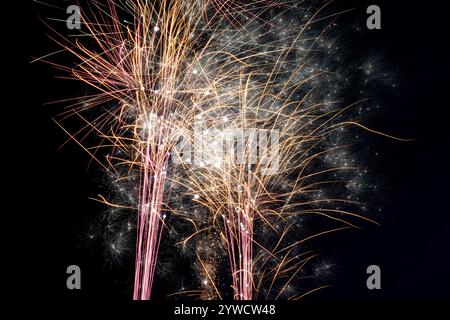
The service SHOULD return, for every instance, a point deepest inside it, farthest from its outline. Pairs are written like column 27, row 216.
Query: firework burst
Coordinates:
column 248, row 96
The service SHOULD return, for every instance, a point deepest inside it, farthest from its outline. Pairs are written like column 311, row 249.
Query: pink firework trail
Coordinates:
column 240, row 247
column 150, row 220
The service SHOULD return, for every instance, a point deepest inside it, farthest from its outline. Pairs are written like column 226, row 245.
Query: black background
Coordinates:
column 47, row 196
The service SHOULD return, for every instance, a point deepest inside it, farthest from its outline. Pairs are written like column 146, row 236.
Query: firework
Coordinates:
column 227, row 115
column 138, row 73
column 267, row 149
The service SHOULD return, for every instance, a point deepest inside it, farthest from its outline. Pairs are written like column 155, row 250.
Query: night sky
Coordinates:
column 49, row 190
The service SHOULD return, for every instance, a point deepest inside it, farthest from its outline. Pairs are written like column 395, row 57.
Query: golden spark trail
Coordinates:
column 228, row 116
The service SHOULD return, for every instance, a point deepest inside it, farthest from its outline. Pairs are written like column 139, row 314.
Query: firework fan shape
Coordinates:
column 221, row 122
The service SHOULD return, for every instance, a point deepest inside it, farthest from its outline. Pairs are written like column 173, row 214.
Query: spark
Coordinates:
column 179, row 63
